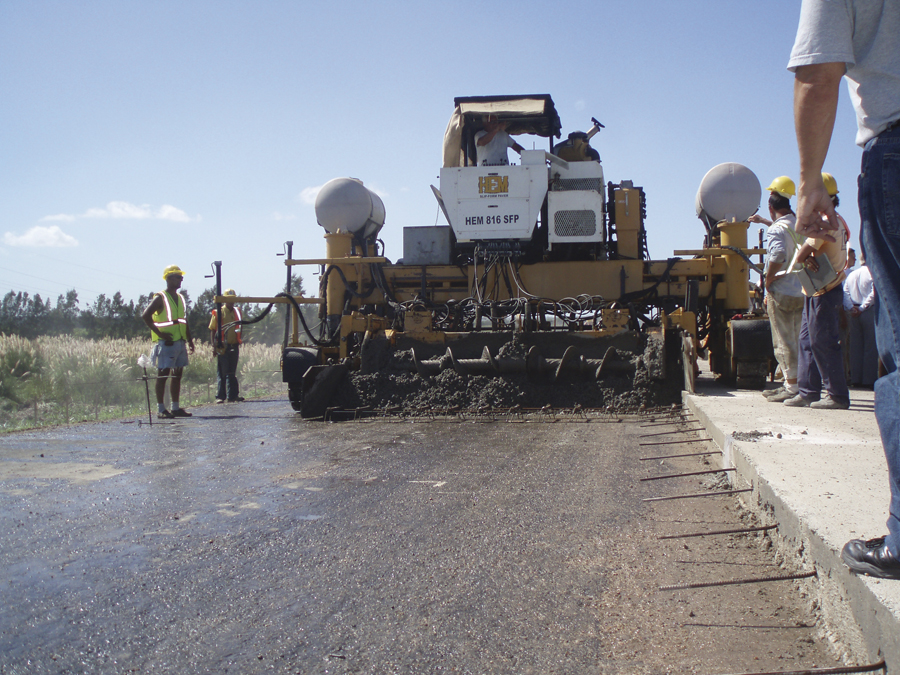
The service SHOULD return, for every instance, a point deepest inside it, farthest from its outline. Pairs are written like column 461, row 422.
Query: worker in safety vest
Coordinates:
column 226, row 349
column 165, row 316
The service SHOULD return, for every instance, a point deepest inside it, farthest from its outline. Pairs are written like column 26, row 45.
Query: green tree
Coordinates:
column 199, row 313
column 64, row 317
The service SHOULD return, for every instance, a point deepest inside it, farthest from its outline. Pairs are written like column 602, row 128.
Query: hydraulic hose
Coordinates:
column 316, row 341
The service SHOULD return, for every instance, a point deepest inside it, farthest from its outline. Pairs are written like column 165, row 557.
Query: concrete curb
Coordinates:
column 822, row 478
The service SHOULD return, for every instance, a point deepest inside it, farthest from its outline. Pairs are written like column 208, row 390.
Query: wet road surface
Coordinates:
column 246, row 540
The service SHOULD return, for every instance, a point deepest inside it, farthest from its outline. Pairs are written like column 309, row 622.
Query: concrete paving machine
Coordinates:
column 542, row 276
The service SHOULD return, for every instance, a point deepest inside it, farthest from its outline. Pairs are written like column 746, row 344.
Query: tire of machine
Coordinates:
column 295, row 395
column 750, row 348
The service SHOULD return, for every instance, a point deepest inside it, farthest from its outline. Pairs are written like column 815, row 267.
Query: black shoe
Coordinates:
column 181, row 412
column 165, row 415
column 871, row 557
column 239, row 399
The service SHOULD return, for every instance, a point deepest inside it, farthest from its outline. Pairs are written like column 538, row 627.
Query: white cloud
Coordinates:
column 120, row 210
column 43, row 237
column 169, row 212
column 308, row 195
column 128, row 211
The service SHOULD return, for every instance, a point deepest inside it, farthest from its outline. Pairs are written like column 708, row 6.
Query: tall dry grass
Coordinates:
column 61, row 380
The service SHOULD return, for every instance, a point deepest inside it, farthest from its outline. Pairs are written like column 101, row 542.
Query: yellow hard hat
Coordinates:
column 830, row 184
column 783, row 186
column 172, row 269
column 229, row 291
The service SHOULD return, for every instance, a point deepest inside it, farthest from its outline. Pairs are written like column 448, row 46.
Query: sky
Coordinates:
column 136, row 135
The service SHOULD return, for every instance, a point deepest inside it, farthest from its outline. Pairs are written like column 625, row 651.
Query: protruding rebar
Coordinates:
column 682, row 475
column 747, row 530
column 736, row 582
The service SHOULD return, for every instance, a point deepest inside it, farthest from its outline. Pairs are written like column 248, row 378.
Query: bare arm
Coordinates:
column 486, row 138
column 816, row 89
column 773, row 269
column 147, row 316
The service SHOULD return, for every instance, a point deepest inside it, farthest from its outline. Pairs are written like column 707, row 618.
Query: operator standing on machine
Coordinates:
column 492, row 141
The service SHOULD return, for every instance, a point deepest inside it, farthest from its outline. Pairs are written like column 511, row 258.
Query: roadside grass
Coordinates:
column 53, row 381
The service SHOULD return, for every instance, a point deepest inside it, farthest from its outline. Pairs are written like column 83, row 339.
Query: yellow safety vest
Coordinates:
column 234, row 331
column 170, row 319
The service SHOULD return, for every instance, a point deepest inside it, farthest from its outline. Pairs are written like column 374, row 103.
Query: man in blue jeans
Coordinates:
column 857, row 39
column 226, row 349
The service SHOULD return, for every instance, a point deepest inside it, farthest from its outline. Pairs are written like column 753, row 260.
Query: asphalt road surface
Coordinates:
column 245, row 540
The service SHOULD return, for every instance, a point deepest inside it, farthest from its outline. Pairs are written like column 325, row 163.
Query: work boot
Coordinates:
column 797, row 402
column 872, row 557
column 828, row 403
column 781, row 396
column 181, row 412
column 774, row 392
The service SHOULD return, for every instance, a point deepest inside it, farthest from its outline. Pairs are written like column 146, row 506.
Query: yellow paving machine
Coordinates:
column 541, row 277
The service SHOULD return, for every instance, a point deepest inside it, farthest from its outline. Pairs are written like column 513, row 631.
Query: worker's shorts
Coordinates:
column 174, row 356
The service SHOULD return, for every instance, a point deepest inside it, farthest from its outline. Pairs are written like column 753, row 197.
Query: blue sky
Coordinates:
column 134, row 135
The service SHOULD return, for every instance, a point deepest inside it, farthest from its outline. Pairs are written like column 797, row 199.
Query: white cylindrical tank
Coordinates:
column 729, row 191
column 345, row 204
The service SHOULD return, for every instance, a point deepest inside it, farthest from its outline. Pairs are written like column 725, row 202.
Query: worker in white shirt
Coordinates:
column 860, row 307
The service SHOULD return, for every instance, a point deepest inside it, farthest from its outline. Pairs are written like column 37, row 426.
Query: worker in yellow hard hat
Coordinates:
column 165, row 316
column 822, row 363
column 784, row 296
column 226, row 349
column 832, row 189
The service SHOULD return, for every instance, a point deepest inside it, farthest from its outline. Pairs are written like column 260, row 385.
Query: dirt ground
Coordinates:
column 745, row 628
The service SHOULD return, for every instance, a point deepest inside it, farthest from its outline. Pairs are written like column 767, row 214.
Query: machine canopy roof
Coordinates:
column 526, row 114
column 533, row 114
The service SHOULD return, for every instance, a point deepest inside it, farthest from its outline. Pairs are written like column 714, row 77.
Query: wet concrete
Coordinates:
column 246, row 540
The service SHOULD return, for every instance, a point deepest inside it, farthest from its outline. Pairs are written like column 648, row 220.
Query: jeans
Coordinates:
column 226, row 367
column 863, row 353
column 879, row 212
column 821, row 360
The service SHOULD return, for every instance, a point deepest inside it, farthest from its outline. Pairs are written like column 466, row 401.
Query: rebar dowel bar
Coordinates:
column 666, row 433
column 147, row 387
column 689, row 454
column 737, row 582
column 839, row 670
column 682, row 475
column 697, row 494
column 686, row 440
column 747, row 530
column 667, row 424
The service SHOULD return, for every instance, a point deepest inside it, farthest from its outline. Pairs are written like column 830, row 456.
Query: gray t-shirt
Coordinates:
column 864, row 34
